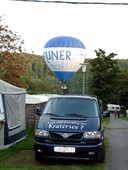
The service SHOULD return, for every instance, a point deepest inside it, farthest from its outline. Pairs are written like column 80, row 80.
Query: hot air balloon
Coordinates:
column 63, row 55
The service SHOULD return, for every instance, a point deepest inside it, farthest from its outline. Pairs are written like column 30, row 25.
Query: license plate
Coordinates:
column 64, row 149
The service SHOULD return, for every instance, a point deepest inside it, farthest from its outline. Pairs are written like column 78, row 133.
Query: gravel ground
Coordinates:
column 117, row 134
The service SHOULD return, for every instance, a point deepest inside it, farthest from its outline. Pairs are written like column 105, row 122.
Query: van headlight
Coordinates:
column 92, row 135
column 41, row 133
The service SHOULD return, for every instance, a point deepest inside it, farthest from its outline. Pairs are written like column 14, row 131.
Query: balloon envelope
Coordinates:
column 63, row 56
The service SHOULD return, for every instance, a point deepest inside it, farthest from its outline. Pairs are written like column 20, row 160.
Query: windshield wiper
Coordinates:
column 76, row 115
column 51, row 114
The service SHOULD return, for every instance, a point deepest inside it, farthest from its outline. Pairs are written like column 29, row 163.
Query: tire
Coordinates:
column 101, row 154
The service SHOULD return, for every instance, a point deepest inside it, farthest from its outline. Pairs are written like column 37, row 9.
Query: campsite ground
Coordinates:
column 25, row 160
column 21, row 156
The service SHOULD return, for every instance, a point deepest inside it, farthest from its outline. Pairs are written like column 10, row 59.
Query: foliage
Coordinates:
column 74, row 83
column 40, row 79
column 9, row 41
column 104, row 80
column 13, row 68
column 123, row 88
column 12, row 64
column 38, row 86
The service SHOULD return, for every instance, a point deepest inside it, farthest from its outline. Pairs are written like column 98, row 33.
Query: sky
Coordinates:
column 97, row 26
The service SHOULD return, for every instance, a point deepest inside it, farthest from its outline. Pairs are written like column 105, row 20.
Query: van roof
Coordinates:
column 73, row 95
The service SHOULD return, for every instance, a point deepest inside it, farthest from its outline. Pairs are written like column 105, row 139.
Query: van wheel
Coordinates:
column 37, row 156
column 101, row 154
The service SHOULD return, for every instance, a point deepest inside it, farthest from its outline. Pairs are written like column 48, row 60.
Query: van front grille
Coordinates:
column 65, row 135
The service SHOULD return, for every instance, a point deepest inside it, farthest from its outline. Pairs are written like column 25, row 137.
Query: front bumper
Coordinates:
column 82, row 152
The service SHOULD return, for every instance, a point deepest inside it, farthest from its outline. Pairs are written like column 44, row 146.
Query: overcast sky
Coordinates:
column 97, row 26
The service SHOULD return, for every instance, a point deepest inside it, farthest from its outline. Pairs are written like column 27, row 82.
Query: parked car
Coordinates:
column 106, row 114
column 70, row 128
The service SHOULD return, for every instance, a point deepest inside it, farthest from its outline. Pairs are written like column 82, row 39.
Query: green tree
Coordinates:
column 104, row 77
column 12, row 64
column 123, row 87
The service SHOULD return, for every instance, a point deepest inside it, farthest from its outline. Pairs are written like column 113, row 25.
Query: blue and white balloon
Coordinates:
column 63, row 55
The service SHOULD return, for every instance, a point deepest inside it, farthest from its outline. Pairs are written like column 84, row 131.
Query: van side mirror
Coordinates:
column 102, row 115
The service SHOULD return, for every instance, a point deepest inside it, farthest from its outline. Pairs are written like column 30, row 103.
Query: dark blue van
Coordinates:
column 70, row 127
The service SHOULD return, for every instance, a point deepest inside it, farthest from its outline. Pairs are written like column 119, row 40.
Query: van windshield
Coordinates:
column 75, row 107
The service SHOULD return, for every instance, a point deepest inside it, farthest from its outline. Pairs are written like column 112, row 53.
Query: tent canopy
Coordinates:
column 6, row 88
column 12, row 111
column 36, row 99
column 14, row 99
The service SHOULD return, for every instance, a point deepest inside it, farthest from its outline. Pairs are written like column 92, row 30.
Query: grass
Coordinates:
column 123, row 117
column 24, row 145
column 105, row 122
column 27, row 145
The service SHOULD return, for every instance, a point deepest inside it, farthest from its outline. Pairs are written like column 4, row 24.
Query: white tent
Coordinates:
column 12, row 114
column 34, row 104
column 36, row 99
